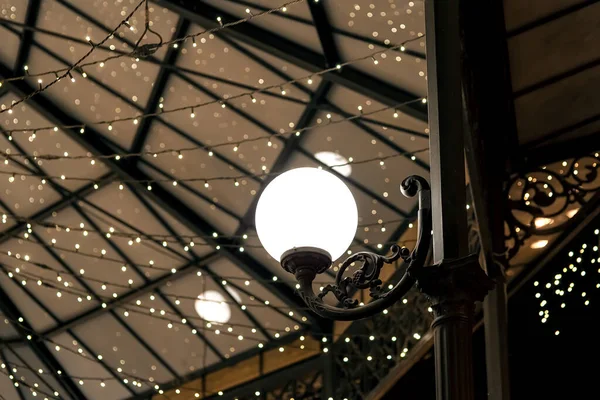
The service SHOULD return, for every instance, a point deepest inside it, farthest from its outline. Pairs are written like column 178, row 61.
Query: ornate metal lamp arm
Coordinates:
column 306, row 263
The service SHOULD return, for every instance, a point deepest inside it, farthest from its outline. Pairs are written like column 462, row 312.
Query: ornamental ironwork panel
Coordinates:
column 370, row 348
column 542, row 201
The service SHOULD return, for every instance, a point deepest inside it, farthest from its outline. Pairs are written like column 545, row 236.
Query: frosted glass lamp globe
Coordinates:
column 212, row 305
column 306, row 207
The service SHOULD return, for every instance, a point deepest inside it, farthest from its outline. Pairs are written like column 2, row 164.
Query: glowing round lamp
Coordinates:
column 212, row 306
column 336, row 161
column 306, row 209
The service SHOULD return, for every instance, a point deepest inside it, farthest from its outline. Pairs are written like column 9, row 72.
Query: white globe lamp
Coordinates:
column 213, row 307
column 308, row 211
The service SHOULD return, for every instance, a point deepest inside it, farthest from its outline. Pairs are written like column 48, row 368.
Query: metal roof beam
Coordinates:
column 164, row 298
column 339, row 31
column 284, row 340
column 178, row 70
column 290, row 147
column 24, row 329
column 213, row 276
column 128, row 297
column 169, row 125
column 42, row 337
column 31, row 17
column 324, row 31
column 9, row 367
column 367, row 85
column 66, row 194
column 85, row 285
column 59, row 205
column 380, row 137
column 94, row 142
column 38, row 374
column 560, row 150
column 158, row 87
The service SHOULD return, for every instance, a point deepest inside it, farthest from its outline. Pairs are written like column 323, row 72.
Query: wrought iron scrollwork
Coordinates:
column 367, row 276
column 540, row 200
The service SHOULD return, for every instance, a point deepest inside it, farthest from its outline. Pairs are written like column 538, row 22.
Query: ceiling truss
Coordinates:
column 94, row 142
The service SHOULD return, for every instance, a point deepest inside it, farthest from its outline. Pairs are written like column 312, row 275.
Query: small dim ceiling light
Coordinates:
column 212, row 306
column 571, row 213
column 306, row 207
column 539, row 244
column 330, row 159
column 542, row 222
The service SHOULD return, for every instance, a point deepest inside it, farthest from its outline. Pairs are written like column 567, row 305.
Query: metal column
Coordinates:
column 457, row 280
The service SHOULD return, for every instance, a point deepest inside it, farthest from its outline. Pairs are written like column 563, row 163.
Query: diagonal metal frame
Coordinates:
column 67, row 267
column 61, row 204
column 292, row 140
column 124, row 299
column 165, row 299
column 288, row 339
column 214, row 277
column 379, row 137
column 284, row 156
column 191, row 266
column 203, row 262
column 24, row 329
column 166, row 365
column 317, row 98
column 247, row 221
column 325, row 33
column 148, row 348
column 66, row 200
column 18, row 389
column 339, row 31
column 41, row 337
column 175, row 69
column 32, row 370
column 31, row 16
column 332, row 57
column 136, row 106
column 142, row 142
column 169, row 125
column 120, row 320
column 158, row 88
column 61, row 328
column 252, row 120
column 206, row 16
column 94, row 142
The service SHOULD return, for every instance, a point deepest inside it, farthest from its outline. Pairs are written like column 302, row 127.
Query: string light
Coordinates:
column 181, row 150
column 174, row 182
column 67, row 71
column 207, row 180
column 144, row 49
column 221, row 102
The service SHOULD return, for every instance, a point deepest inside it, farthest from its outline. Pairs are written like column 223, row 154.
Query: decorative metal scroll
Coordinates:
column 541, row 201
column 366, row 277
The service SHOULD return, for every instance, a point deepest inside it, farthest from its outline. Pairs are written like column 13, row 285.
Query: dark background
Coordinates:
column 542, row 364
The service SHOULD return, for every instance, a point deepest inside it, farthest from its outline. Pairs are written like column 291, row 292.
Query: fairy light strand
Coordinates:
column 161, row 111
column 138, row 51
column 223, row 328
column 150, row 265
column 176, row 239
column 139, row 308
column 67, row 71
column 13, row 175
